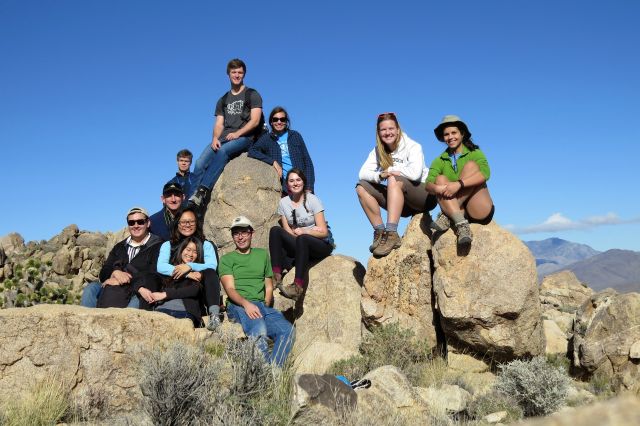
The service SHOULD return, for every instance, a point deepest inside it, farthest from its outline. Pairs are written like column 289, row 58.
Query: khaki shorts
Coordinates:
column 416, row 198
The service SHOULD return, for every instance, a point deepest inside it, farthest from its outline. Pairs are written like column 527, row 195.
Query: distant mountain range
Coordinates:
column 618, row 269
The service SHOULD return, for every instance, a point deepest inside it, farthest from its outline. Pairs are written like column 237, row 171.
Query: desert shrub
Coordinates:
column 177, row 384
column 222, row 382
column 538, row 387
column 387, row 345
column 560, row 361
column 601, row 385
column 46, row 404
column 493, row 402
column 91, row 405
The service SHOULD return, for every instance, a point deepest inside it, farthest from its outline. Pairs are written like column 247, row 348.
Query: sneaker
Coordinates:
column 441, row 224
column 390, row 240
column 377, row 235
column 463, row 230
column 214, row 322
column 197, row 199
column 291, row 291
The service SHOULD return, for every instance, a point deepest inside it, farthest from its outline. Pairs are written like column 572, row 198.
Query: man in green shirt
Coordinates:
column 246, row 274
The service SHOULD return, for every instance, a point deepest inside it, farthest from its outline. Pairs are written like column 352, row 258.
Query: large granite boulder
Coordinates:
column 488, row 296
column 11, row 243
column 398, row 286
column 606, row 337
column 247, row 187
column 563, row 291
column 318, row 399
column 327, row 318
column 391, row 391
column 89, row 350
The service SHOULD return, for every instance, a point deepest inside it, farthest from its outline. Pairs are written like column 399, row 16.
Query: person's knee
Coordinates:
column 441, row 180
column 360, row 191
column 395, row 182
column 274, row 231
column 470, row 167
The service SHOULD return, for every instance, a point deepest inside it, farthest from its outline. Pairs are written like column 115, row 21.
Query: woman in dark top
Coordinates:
column 180, row 297
column 284, row 149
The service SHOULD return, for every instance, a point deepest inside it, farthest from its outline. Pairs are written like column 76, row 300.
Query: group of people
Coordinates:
column 167, row 265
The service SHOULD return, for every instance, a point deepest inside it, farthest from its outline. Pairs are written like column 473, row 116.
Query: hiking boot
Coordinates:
column 198, row 198
column 291, row 291
column 377, row 235
column 463, row 231
column 390, row 240
column 214, row 322
column 441, row 224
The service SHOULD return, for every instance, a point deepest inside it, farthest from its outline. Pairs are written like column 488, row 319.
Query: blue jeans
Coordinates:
column 91, row 293
column 272, row 325
column 210, row 164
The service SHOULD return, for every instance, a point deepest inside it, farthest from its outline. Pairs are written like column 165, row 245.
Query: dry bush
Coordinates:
column 538, row 387
column 387, row 345
column 46, row 404
column 493, row 402
column 204, row 385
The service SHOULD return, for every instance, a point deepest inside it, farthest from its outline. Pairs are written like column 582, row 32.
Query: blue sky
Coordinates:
column 97, row 97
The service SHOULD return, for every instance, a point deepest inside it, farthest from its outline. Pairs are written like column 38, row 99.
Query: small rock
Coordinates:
column 495, row 417
column 634, row 350
column 450, row 399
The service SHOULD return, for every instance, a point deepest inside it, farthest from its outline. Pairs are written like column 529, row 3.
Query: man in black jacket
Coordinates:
column 130, row 261
column 172, row 198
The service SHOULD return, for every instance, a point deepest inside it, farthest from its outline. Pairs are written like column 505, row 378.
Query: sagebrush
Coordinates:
column 538, row 387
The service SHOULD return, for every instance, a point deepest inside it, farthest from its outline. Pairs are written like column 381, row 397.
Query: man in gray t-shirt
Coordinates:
column 238, row 116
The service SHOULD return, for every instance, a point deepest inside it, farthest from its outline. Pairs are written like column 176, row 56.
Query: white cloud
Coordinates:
column 557, row 222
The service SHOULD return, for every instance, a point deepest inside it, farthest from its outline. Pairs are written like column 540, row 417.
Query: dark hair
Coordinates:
column 176, row 253
column 466, row 135
column 176, row 258
column 184, row 153
column 176, row 236
column 236, row 63
column 276, row 110
column 304, row 181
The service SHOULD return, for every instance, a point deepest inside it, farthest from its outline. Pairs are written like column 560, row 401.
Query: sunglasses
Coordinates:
column 279, row 119
column 132, row 222
column 392, row 114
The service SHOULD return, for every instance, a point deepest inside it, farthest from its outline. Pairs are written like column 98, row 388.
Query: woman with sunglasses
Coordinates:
column 303, row 235
column 185, row 225
column 284, row 149
column 392, row 178
column 458, row 177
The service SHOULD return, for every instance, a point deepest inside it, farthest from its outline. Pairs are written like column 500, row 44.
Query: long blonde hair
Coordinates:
column 384, row 155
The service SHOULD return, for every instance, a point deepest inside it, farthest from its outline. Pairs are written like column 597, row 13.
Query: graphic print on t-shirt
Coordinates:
column 235, row 108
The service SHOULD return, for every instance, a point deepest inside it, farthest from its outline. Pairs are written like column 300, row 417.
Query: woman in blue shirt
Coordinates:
column 186, row 224
column 284, row 149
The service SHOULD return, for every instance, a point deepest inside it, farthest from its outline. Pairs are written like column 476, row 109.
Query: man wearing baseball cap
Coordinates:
column 172, row 197
column 246, row 274
column 129, row 260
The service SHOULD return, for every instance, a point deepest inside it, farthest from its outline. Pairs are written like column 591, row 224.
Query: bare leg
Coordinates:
column 369, row 205
column 478, row 200
column 395, row 199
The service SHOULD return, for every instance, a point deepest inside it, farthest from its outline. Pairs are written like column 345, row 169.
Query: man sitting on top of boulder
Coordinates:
column 129, row 260
column 239, row 121
column 172, row 198
column 246, row 277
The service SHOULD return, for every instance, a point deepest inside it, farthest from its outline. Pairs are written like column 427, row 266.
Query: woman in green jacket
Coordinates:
column 458, row 178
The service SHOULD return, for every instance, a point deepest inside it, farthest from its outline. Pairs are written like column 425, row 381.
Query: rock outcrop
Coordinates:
column 398, row 286
column 391, row 391
column 327, row 318
column 563, row 291
column 247, row 187
column 87, row 349
column 317, row 398
column 52, row 271
column 488, row 297
column 607, row 330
